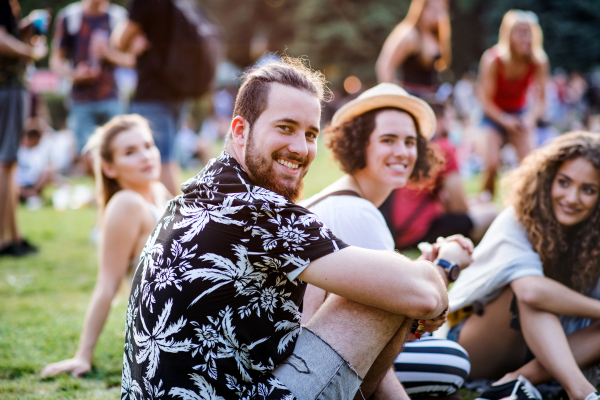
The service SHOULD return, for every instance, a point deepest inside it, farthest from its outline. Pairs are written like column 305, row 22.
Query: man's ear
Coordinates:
column 240, row 128
column 108, row 170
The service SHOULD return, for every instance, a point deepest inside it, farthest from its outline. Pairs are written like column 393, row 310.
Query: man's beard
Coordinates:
column 264, row 175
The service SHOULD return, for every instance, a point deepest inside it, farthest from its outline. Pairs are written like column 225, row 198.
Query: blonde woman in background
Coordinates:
column 419, row 46
column 507, row 73
column 127, row 169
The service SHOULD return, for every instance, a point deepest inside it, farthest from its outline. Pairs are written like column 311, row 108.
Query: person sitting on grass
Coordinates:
column 437, row 206
column 380, row 140
column 131, row 199
column 216, row 305
column 529, row 305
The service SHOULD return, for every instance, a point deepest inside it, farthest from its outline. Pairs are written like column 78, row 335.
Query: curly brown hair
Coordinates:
column 349, row 142
column 570, row 255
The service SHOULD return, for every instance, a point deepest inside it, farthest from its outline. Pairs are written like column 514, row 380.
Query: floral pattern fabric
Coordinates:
column 212, row 310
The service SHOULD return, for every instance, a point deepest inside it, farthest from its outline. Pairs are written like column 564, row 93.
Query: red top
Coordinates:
column 511, row 95
column 414, row 208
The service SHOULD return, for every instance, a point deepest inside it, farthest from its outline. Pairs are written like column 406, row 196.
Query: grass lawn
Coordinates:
column 43, row 299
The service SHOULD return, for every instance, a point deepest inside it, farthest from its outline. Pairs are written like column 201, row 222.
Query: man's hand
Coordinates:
column 39, row 48
column 83, row 73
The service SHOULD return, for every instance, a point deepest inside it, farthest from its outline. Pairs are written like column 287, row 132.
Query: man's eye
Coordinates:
column 311, row 135
column 285, row 128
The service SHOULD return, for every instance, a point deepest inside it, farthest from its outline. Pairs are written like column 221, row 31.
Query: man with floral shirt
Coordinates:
column 215, row 306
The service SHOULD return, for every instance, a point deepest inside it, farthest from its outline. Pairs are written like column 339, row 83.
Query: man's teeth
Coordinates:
column 288, row 164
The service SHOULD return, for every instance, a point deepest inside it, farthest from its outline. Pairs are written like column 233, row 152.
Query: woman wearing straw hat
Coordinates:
column 380, row 140
column 507, row 72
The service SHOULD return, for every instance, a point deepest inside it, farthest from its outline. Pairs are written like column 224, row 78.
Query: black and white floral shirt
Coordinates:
column 212, row 308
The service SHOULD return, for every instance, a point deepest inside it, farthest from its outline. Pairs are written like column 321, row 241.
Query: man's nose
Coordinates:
column 298, row 144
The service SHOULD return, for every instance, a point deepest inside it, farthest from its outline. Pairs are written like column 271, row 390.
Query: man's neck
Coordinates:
column 94, row 8
column 237, row 153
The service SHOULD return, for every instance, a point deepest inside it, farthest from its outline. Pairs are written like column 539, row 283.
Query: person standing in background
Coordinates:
column 14, row 54
column 507, row 72
column 419, row 46
column 155, row 98
column 81, row 53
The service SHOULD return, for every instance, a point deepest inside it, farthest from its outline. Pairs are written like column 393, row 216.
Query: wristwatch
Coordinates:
column 452, row 269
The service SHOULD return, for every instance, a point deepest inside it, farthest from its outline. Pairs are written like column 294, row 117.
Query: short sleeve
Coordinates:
column 356, row 221
column 138, row 10
column 294, row 237
column 65, row 41
column 447, row 151
column 7, row 20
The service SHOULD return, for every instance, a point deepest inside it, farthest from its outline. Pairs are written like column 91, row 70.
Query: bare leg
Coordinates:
column 494, row 144
column 494, row 348
column 544, row 335
column 390, row 388
column 357, row 332
column 585, row 346
column 523, row 144
column 381, row 368
column 8, row 225
column 482, row 215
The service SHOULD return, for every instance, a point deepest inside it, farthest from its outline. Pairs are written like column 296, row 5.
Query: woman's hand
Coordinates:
column 455, row 248
column 77, row 366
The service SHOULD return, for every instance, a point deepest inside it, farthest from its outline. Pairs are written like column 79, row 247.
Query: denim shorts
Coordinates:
column 86, row 116
column 13, row 111
column 316, row 371
column 165, row 119
column 487, row 122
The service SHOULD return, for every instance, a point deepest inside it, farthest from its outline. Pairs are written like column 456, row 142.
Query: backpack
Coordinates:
column 194, row 50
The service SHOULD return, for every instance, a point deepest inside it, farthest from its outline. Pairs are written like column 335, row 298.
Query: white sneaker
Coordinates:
column 520, row 389
column 593, row 396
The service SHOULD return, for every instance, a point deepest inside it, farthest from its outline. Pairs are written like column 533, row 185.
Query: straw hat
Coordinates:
column 388, row 95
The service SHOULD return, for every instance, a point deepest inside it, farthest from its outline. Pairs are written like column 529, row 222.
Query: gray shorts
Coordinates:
column 316, row 371
column 13, row 111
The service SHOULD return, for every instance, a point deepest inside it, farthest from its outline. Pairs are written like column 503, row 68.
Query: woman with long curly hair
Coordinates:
column 529, row 305
column 380, row 140
column 131, row 199
column 419, row 46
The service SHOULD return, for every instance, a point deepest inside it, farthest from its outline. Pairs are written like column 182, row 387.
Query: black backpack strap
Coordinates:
column 336, row 193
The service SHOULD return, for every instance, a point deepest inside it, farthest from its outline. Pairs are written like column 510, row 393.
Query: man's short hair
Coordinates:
column 253, row 95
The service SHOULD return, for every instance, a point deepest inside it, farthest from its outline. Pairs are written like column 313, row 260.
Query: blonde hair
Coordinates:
column 510, row 19
column 100, row 145
column 443, row 31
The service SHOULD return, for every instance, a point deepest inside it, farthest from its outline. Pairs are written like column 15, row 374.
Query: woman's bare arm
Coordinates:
column 397, row 47
column 548, row 295
column 120, row 231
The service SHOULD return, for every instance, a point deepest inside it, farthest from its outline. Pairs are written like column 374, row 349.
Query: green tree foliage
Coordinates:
column 344, row 37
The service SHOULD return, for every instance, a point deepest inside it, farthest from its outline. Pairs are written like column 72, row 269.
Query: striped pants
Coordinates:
column 432, row 366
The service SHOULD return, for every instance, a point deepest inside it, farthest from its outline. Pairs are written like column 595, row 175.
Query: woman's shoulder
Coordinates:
column 126, row 202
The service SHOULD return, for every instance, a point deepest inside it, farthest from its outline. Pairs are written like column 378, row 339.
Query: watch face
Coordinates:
column 453, row 273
